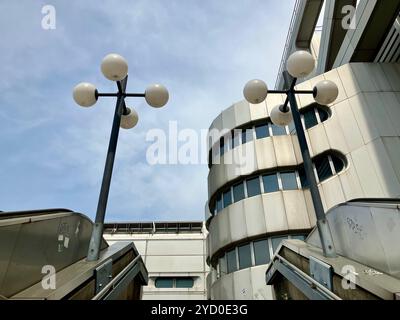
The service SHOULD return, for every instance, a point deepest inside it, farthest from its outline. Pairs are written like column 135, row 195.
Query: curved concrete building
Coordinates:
column 253, row 205
column 257, row 190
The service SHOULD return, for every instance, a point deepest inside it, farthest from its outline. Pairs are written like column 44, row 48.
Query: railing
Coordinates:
column 288, row 40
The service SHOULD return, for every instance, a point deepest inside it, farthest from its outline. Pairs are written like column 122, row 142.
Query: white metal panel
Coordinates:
column 392, row 146
column 334, row 133
column 390, row 102
column 333, row 192
column 366, row 173
column 237, row 221
column 260, row 290
column 318, row 140
column 349, row 125
column 242, row 112
column 258, row 111
column 348, row 79
column 284, row 151
column 229, row 118
column 333, row 75
column 350, row 182
column 296, row 210
column 275, row 215
column 265, row 153
column 175, row 247
column 177, row 264
column 363, row 118
column 392, row 74
column 383, row 167
column 242, row 286
column 255, row 216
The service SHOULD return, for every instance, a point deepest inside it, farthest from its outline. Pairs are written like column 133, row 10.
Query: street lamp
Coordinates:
column 300, row 64
column 115, row 68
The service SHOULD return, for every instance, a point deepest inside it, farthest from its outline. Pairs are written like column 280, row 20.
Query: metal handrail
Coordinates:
column 288, row 38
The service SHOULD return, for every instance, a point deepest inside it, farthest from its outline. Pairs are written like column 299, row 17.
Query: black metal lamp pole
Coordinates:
column 120, row 109
column 322, row 223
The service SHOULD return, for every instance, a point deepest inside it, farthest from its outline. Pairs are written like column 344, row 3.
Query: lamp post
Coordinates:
column 300, row 64
column 115, row 68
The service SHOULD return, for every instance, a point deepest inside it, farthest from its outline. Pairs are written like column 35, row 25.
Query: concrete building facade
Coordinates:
column 174, row 254
column 354, row 143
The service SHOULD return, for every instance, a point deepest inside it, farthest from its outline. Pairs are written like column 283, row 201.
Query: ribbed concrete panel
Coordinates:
column 333, row 192
column 275, row 214
column 255, row 217
column 242, row 286
column 296, row 210
column 242, row 113
column 392, row 148
column 258, row 111
column 284, row 151
column 318, row 140
column 237, row 221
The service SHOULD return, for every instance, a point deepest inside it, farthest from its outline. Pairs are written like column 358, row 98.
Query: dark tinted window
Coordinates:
column 247, row 135
column 303, row 178
column 222, row 266
column 253, row 187
column 236, row 139
column 227, row 197
column 164, row 283
column 221, row 147
column 238, row 192
column 219, row 204
column 323, row 114
column 261, row 252
column 244, row 257
column 231, row 261
column 310, row 119
column 323, row 168
column 270, row 183
column 338, row 164
column 276, row 242
column 289, row 181
column 262, row 131
column 278, row 130
column 184, row 282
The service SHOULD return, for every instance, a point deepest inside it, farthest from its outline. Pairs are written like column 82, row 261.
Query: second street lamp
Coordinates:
column 300, row 64
column 115, row 68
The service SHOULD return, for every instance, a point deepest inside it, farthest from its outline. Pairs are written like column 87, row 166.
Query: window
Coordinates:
column 298, row 237
column 164, row 283
column 186, row 282
column 227, row 198
column 236, row 139
column 278, row 130
column 222, row 266
column 231, row 261
column 247, row 135
column 244, row 257
column 276, row 242
column 261, row 252
column 303, row 178
column 253, row 187
column 221, row 147
column 310, row 119
column 238, row 192
column 337, row 163
column 271, row 183
column 289, row 181
column 292, row 128
column 323, row 168
column 323, row 114
column 219, row 204
column 262, row 131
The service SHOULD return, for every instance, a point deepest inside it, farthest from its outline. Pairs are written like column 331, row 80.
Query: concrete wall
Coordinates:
column 171, row 255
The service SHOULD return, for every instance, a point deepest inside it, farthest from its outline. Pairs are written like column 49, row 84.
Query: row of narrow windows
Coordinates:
column 250, row 254
column 325, row 166
column 310, row 118
column 170, row 282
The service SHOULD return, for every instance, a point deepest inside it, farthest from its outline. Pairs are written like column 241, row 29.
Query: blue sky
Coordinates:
column 53, row 152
